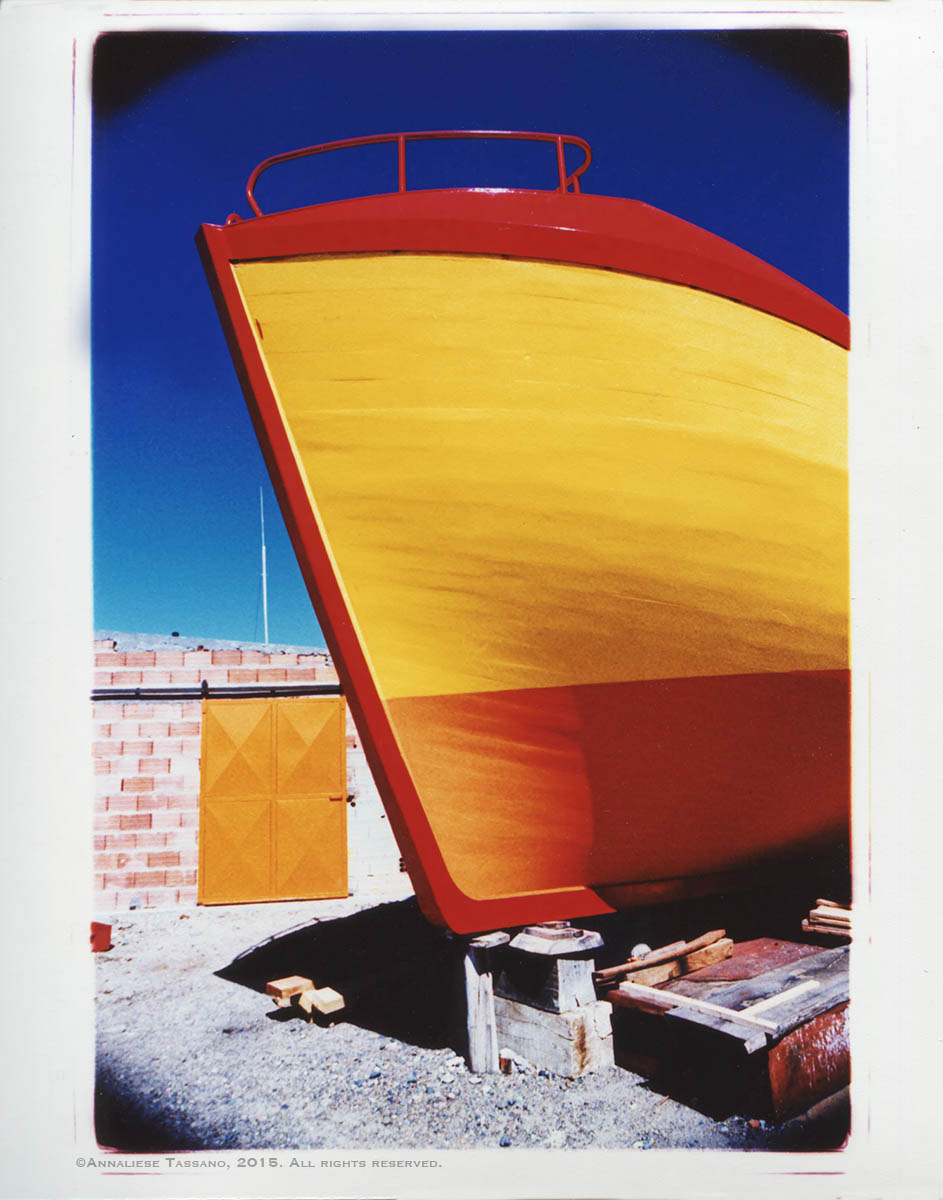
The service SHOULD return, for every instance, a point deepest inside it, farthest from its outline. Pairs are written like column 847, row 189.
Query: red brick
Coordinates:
column 107, row 749
column 98, row 841
column 139, row 749
column 101, row 766
column 141, row 658
column 134, row 841
column 99, row 881
column 104, row 644
column 186, row 896
column 160, row 898
column 183, row 729
column 102, row 679
column 185, row 678
column 124, row 896
column 165, row 819
column 242, row 675
column 190, row 710
column 169, row 658
column 227, row 658
column 326, row 675
column 105, row 660
column 189, row 858
column 154, row 766
column 164, row 858
column 154, row 729
column 136, row 820
column 118, row 880
column 103, row 729
column 126, row 679
column 189, row 819
column 111, row 862
column 255, row 658
column 137, row 784
column 106, row 821
column 149, row 802
column 184, row 800
column 271, row 675
column 155, row 678
column 197, row 658
column 180, row 878
column 146, row 879
column 167, row 746
column 137, row 709
column 121, row 804
column 106, row 902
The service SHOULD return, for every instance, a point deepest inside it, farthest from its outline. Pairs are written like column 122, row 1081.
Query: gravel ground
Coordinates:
column 192, row 1055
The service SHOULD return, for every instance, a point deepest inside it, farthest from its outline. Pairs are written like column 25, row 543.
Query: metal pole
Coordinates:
column 264, row 578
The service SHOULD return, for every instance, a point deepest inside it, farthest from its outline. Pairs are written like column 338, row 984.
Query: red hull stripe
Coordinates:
column 604, row 784
column 602, row 231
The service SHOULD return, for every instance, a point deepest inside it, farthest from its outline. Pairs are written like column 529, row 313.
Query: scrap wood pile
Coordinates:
column 667, row 962
column 829, row 917
column 296, row 989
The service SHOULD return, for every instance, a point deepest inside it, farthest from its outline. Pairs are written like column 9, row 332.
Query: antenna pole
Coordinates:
column 264, row 578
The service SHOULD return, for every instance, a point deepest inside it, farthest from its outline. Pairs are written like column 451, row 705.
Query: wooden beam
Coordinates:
column 669, row 1000
column 810, row 985
column 291, row 985
column 665, row 954
column 479, row 998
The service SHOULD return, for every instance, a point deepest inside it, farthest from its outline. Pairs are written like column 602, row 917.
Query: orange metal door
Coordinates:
column 273, row 817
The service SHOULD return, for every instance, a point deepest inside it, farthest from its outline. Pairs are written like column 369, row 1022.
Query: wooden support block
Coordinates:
column 291, row 985
column 554, row 984
column 323, row 1000
column 479, row 998
column 568, row 1043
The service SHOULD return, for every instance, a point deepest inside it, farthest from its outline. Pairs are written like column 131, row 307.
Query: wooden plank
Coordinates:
column 827, row 930
column 835, row 916
column 669, row 1000
column 780, row 998
column 754, row 957
column 326, row 1000
column 666, row 954
column 684, row 965
column 479, row 1003
column 291, row 985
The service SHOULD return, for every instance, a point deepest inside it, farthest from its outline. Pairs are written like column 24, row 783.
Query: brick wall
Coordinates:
column 147, row 774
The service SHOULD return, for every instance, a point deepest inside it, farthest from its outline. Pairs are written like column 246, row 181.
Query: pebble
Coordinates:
column 505, row 1141
column 474, row 1079
column 374, row 1074
column 447, row 1078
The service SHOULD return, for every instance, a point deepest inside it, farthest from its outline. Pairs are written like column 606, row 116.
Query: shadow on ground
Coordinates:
column 399, row 975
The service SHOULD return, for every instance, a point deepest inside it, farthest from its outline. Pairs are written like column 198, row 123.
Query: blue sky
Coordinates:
column 745, row 136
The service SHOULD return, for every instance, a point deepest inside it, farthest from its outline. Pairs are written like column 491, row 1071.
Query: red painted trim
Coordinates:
column 600, row 231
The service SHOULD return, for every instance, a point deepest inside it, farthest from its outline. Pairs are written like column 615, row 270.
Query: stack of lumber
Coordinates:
column 829, row 917
column 668, row 962
column 310, row 999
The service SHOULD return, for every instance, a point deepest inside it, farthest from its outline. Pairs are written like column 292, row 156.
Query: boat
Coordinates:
column 566, row 479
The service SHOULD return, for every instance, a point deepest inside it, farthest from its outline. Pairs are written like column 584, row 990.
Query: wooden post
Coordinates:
column 479, row 995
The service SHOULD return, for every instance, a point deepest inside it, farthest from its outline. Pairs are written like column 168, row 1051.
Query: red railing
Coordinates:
column 560, row 140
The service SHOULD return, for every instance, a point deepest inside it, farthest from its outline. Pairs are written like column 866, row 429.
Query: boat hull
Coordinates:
column 578, row 539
